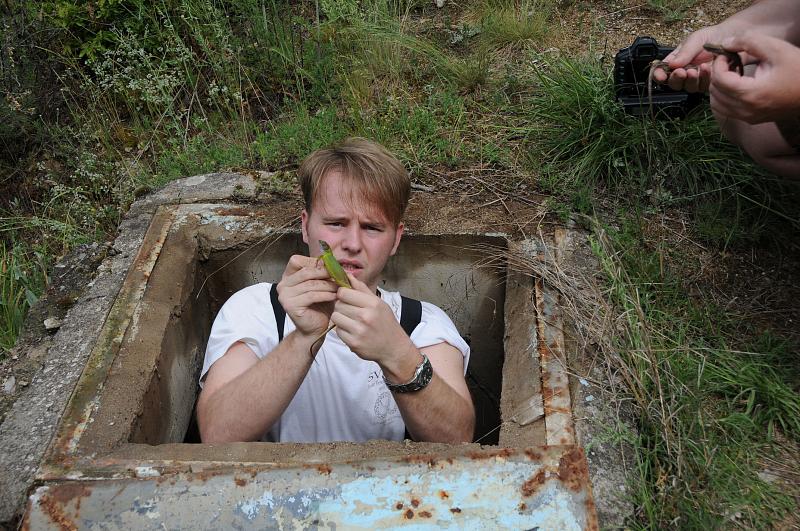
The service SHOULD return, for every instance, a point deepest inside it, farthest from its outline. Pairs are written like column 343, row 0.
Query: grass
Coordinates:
column 23, row 276
column 710, row 395
column 671, row 10
column 161, row 90
column 505, row 22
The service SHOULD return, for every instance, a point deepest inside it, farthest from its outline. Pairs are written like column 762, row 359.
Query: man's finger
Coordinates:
column 357, row 284
column 310, row 272
column 356, row 296
column 689, row 51
column 311, row 285
column 677, row 79
column 304, row 300
column 724, row 104
column 692, row 83
column 726, row 80
column 346, row 324
column 660, row 75
column 345, row 308
column 757, row 45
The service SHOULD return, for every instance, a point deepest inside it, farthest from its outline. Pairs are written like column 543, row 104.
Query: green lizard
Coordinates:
column 337, row 274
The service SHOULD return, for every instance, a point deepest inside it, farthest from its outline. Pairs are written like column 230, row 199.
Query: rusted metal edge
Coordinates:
column 546, row 488
column 85, row 397
column 559, row 426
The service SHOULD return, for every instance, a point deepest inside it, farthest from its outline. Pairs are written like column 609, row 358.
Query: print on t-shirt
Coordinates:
column 385, row 407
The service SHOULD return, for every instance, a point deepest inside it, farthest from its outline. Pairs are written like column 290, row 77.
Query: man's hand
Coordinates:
column 691, row 51
column 369, row 327
column 307, row 294
column 771, row 94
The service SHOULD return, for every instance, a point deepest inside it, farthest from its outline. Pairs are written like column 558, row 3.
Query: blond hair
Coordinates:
column 374, row 174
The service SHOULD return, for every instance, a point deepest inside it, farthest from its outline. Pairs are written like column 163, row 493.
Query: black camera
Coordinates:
column 631, row 71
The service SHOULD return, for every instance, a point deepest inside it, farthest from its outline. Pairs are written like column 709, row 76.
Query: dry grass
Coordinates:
column 702, row 419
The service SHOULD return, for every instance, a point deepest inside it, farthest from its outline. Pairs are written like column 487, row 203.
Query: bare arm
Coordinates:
column 443, row 411
column 775, row 18
column 244, row 396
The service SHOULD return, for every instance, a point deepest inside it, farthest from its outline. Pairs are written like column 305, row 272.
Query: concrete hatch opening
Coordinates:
column 127, row 426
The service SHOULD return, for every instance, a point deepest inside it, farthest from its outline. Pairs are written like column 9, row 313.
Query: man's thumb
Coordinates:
column 689, row 51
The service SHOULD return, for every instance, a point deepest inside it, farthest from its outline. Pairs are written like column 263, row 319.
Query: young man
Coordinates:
column 368, row 379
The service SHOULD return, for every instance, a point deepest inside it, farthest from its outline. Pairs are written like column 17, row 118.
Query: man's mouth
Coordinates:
column 351, row 266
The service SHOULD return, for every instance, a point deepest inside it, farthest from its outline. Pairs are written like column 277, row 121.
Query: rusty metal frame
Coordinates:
column 501, row 488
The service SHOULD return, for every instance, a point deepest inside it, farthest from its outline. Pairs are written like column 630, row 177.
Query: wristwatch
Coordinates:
column 422, row 377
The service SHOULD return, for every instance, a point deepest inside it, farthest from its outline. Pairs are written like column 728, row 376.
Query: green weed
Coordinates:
column 203, row 153
column 505, row 22
column 23, row 276
column 671, row 10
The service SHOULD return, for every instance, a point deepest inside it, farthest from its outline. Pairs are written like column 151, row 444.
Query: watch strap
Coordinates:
column 420, row 380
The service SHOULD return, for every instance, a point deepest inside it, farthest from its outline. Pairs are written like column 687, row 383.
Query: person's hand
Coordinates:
column 691, row 52
column 771, row 94
column 307, row 294
column 697, row 78
column 368, row 326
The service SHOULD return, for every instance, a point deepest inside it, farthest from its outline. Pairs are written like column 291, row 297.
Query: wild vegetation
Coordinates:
column 103, row 101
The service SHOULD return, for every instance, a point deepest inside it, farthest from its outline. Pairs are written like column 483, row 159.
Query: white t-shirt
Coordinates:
column 343, row 397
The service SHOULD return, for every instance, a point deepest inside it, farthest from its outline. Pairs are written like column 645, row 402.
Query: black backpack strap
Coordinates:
column 410, row 314
column 280, row 313
column 410, row 317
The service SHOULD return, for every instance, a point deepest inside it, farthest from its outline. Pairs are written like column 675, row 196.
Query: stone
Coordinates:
column 9, row 384
column 52, row 323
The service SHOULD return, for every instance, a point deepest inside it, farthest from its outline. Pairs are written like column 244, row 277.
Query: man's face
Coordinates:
column 360, row 235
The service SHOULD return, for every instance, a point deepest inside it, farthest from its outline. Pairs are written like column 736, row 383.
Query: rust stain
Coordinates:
column 232, row 211
column 443, row 494
column 324, row 469
column 56, row 514
column 572, row 470
column 399, row 506
column 425, row 514
column 522, row 506
column 533, row 455
column 533, row 483
column 503, row 452
column 67, row 492
column 414, row 502
column 409, row 514
column 455, row 510
column 424, row 458
column 240, row 482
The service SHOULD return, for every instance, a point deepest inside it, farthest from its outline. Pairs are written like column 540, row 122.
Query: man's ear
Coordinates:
column 304, row 225
column 398, row 235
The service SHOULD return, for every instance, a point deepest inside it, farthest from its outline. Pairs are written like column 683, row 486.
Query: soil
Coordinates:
column 610, row 26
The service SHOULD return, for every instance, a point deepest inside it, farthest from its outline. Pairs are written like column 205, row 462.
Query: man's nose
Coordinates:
column 351, row 242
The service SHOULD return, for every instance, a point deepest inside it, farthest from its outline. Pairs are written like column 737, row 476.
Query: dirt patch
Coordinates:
column 606, row 27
